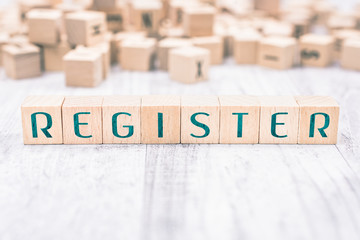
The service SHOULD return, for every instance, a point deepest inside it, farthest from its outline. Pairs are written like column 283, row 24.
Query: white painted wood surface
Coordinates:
column 164, row 192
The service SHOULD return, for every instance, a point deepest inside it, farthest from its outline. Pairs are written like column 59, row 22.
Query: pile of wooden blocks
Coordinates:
column 180, row 119
column 183, row 37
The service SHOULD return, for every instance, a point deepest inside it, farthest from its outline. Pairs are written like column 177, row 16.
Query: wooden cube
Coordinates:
column 277, row 52
column 121, row 119
column 127, row 35
column 316, row 50
column 4, row 39
column 279, row 120
column 104, row 5
column 44, row 26
column 85, row 27
column 41, row 120
column 83, row 68
column 340, row 36
column 350, row 54
column 165, row 46
column 82, row 120
column 239, row 119
column 53, row 56
column 104, row 49
column 278, row 29
column 160, row 119
column 319, row 119
column 246, row 45
column 200, row 118
column 147, row 15
column 192, row 59
column 215, row 46
column 138, row 54
column 198, row 21
column 176, row 12
column 21, row 60
column 116, row 18
column 270, row 6
column 25, row 6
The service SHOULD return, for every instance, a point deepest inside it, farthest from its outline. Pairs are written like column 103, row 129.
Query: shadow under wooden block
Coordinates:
column 200, row 117
column 319, row 120
column 279, row 120
column 239, row 119
column 121, row 119
column 41, row 120
column 82, row 120
column 160, row 119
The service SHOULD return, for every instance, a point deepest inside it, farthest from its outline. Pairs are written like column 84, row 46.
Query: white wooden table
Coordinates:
column 164, row 192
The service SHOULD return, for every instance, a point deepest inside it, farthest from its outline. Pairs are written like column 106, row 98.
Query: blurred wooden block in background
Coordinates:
column 121, row 119
column 44, row 26
column 160, row 119
column 4, row 39
column 340, row 36
column 146, row 16
column 270, row 6
column 82, row 120
column 26, row 5
column 319, row 120
column 215, row 46
column 200, row 118
column 176, row 12
column 189, row 64
column 104, row 5
column 277, row 52
column 164, row 47
column 85, row 27
column 279, row 120
column 350, row 54
column 122, row 36
column 41, row 120
column 53, row 56
column 21, row 60
column 138, row 54
column 198, row 21
column 316, row 50
column 117, row 17
column 83, row 68
column 246, row 46
column 239, row 119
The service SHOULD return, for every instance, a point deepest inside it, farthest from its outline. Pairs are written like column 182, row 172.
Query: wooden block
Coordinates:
column 215, row 46
column 195, row 60
column 319, row 119
column 279, row 29
column 323, row 10
column 198, row 21
column 340, row 36
column 165, row 46
column 53, row 56
column 338, row 21
column 200, row 117
column 246, row 45
column 171, row 32
column 239, row 119
column 279, row 120
column 127, row 35
column 176, row 12
column 316, row 50
column 83, row 68
column 21, row 60
column 85, row 27
column 350, row 54
column 270, row 6
column 160, row 119
column 41, row 120
column 121, row 119
column 104, row 5
column 277, row 52
column 116, row 18
column 82, row 120
column 44, row 26
column 26, row 5
column 110, row 38
column 4, row 39
column 138, row 54
column 104, row 49
column 147, row 16
column 67, row 8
